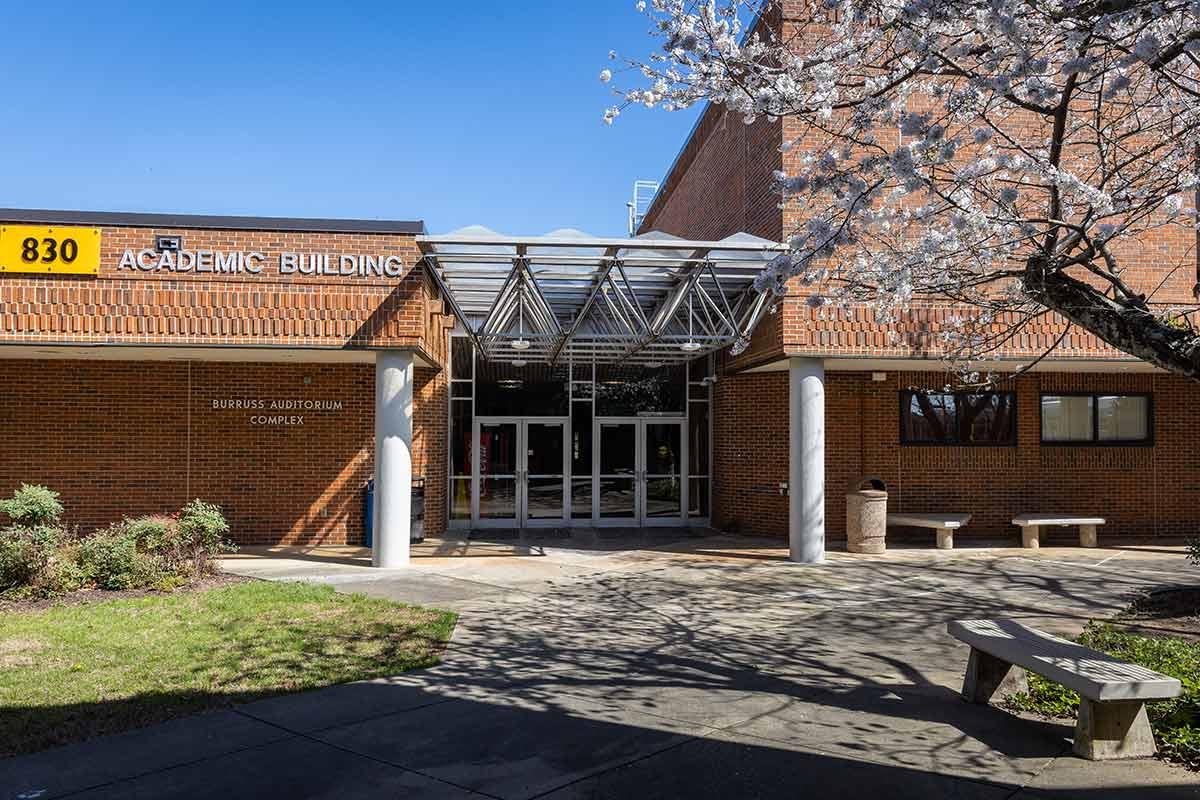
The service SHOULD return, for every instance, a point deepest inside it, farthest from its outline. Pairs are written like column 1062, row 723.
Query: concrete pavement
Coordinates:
column 658, row 667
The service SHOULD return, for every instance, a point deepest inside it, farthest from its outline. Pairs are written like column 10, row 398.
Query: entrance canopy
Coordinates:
column 650, row 300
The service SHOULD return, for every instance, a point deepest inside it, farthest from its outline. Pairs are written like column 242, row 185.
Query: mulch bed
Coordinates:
column 1166, row 611
column 85, row 596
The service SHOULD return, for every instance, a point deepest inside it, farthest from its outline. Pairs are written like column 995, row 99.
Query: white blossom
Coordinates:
column 919, row 162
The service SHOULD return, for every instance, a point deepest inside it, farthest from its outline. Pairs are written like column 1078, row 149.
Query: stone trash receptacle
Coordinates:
column 866, row 515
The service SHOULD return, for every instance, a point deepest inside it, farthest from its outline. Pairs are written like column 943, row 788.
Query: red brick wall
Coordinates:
column 721, row 184
column 750, row 453
column 1142, row 491
column 295, row 310
column 121, row 438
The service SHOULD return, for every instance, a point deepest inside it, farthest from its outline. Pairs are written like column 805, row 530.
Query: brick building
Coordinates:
column 1087, row 430
column 274, row 366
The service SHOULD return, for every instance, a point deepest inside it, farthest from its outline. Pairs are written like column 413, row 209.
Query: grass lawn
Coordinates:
column 71, row 672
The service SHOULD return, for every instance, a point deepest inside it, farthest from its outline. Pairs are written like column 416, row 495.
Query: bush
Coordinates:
column 1193, row 546
column 110, row 559
column 153, row 534
column 202, row 530
column 38, row 559
column 32, row 506
column 36, row 562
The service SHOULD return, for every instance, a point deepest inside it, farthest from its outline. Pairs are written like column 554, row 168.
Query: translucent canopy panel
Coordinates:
column 652, row 299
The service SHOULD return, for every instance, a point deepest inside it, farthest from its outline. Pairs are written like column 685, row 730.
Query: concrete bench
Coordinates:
column 943, row 524
column 1112, row 719
column 1031, row 526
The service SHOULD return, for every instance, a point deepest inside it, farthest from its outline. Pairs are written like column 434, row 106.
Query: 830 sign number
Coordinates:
column 49, row 250
column 57, row 249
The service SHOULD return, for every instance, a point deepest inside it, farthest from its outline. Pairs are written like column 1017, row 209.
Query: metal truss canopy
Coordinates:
column 648, row 300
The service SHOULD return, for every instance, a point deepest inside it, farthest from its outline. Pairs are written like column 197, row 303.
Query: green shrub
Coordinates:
column 38, row 559
column 36, row 562
column 153, row 534
column 32, row 506
column 113, row 560
column 1193, row 546
column 202, row 531
column 109, row 558
column 1176, row 722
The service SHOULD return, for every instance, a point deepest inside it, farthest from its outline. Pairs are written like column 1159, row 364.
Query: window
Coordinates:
column 1096, row 419
column 959, row 418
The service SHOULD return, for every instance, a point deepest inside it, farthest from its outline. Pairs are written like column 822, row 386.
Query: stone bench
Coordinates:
column 1112, row 719
column 1031, row 525
column 943, row 524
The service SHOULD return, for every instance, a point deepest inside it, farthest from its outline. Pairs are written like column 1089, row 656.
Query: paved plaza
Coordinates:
column 655, row 666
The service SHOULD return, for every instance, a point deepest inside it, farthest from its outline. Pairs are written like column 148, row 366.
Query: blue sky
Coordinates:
column 475, row 112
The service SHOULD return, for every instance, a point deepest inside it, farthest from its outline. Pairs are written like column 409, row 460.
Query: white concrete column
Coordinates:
column 806, row 460
column 393, row 457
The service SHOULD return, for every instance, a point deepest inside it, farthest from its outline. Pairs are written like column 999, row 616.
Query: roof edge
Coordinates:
column 210, row 221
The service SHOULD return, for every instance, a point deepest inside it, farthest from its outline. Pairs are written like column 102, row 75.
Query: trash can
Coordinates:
column 417, row 512
column 866, row 515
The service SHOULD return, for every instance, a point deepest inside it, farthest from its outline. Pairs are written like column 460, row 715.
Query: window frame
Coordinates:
column 1096, row 441
column 905, row 401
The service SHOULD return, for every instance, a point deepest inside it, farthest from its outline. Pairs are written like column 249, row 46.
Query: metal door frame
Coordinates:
column 521, row 500
column 681, row 473
column 639, row 518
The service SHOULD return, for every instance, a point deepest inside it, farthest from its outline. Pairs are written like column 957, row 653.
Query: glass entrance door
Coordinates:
column 616, row 471
column 662, row 472
column 496, row 497
column 522, row 476
column 545, row 473
column 639, row 471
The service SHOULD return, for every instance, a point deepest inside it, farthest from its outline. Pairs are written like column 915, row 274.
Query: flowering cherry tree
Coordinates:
column 1012, row 158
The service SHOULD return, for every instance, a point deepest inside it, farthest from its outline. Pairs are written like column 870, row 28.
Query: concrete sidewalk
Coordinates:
column 691, row 668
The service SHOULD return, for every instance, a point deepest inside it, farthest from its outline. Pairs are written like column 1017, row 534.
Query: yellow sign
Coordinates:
column 53, row 250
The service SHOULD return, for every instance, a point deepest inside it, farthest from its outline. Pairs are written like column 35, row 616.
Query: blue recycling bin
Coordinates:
column 369, row 513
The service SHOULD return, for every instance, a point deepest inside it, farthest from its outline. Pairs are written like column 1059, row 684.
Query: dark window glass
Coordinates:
column 987, row 418
column 544, row 448
column 959, row 418
column 534, row 390
column 662, row 449
column 624, row 391
column 618, row 442
column 581, row 499
column 581, row 440
column 581, row 371
column 928, row 418
column 460, row 356
column 460, row 437
column 498, row 448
